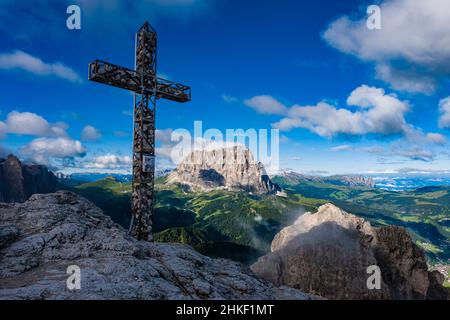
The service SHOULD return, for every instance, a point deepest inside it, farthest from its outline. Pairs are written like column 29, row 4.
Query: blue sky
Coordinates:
column 345, row 98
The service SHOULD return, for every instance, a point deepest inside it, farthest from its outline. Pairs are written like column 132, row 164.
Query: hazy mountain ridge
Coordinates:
column 292, row 177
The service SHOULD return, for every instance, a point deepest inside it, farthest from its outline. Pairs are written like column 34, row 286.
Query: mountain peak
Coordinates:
column 230, row 168
column 19, row 181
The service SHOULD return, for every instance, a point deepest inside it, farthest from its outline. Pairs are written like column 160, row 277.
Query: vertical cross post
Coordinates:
column 147, row 88
column 144, row 136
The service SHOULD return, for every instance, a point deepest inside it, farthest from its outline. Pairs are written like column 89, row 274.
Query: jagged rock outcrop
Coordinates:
column 232, row 168
column 328, row 253
column 19, row 181
column 40, row 238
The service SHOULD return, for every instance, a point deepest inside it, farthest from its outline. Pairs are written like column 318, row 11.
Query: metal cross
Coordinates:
column 147, row 88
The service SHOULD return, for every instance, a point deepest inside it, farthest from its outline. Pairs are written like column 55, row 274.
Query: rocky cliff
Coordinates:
column 19, row 181
column 328, row 253
column 232, row 168
column 40, row 238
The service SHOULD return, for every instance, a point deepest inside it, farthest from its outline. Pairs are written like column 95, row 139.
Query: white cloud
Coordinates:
column 341, row 148
column 412, row 49
column 90, row 133
column 436, row 138
column 42, row 150
column 417, row 154
column 26, row 62
column 28, row 123
column 421, row 171
column 377, row 113
column 163, row 135
column 164, row 151
column 266, row 105
column 109, row 161
column 444, row 109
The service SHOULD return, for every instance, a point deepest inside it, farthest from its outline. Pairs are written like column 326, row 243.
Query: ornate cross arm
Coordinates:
column 110, row 74
column 172, row 91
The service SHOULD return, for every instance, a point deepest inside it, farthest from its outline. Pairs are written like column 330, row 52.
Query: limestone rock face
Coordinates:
column 328, row 253
column 232, row 168
column 40, row 238
column 18, row 181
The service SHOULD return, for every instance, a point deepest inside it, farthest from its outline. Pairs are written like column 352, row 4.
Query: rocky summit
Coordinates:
column 230, row 168
column 19, row 181
column 328, row 253
column 41, row 238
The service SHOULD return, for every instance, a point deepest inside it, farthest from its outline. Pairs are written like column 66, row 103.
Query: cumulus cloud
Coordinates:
column 266, row 105
column 165, row 144
column 164, row 151
column 109, row 161
column 412, row 49
column 26, row 62
column 444, row 109
column 90, row 133
column 376, row 113
column 27, row 123
column 436, row 138
column 42, row 150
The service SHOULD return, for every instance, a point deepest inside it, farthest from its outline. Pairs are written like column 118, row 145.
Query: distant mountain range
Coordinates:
column 344, row 180
column 80, row 177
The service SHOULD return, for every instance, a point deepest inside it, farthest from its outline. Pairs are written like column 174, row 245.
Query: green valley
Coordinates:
column 241, row 226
